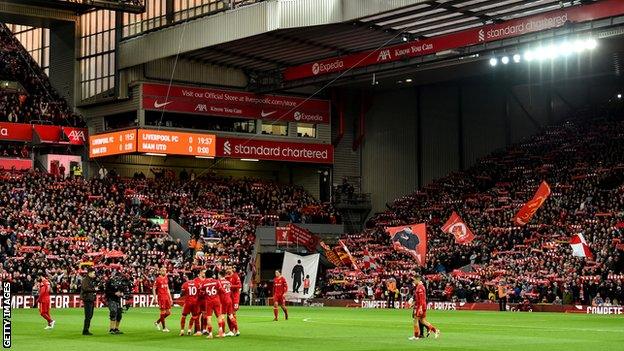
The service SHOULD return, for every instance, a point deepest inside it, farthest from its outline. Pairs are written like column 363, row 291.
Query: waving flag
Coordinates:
column 368, row 260
column 528, row 210
column 457, row 227
column 345, row 256
column 580, row 247
column 410, row 239
column 330, row 254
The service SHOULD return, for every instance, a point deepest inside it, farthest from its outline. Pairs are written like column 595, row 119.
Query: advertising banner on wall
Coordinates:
column 300, row 273
column 468, row 37
column 274, row 150
column 231, row 103
column 15, row 131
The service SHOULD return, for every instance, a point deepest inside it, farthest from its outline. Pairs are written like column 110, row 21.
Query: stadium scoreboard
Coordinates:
column 176, row 143
column 114, row 143
column 153, row 142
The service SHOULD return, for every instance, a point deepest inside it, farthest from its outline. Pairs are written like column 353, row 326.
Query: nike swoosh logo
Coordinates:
column 159, row 105
column 264, row 114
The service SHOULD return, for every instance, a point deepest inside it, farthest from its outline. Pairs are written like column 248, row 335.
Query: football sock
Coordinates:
column 195, row 321
column 275, row 312
column 232, row 324
column 182, row 322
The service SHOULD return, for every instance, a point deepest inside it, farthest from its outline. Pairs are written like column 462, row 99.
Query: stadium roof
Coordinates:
column 81, row 6
column 417, row 21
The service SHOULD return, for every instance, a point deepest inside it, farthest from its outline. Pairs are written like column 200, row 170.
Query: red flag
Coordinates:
column 580, row 247
column 330, row 255
column 283, row 236
column 345, row 256
column 411, row 239
column 528, row 210
column 302, row 236
column 457, row 227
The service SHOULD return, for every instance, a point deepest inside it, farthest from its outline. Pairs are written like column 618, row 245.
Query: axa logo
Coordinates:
column 297, row 116
column 161, row 104
column 481, row 35
column 316, row 68
column 77, row 135
column 4, row 132
column 201, row 108
column 384, row 55
column 227, row 148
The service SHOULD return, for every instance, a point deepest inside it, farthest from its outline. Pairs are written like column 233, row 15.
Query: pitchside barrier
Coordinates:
column 74, row 301
column 466, row 306
column 146, row 300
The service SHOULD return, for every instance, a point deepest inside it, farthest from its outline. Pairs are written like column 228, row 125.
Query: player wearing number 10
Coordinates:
column 190, row 292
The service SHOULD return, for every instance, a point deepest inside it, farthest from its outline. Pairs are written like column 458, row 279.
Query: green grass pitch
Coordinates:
column 321, row 329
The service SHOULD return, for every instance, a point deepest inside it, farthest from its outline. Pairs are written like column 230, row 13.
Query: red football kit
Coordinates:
column 225, row 297
column 280, row 287
column 162, row 292
column 44, row 300
column 235, row 285
column 211, row 289
column 191, row 298
column 420, row 301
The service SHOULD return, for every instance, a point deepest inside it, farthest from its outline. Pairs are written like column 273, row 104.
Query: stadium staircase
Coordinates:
column 176, row 231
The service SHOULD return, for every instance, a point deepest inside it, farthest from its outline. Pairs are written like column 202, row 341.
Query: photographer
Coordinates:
column 115, row 287
column 87, row 294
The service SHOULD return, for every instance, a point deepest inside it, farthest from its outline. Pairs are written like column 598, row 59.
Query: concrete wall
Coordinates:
column 415, row 135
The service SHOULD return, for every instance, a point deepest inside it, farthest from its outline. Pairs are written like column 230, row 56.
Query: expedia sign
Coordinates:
column 307, row 117
column 327, row 67
column 274, row 150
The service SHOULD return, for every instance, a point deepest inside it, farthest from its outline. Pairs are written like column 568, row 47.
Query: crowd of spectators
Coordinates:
column 38, row 102
column 582, row 160
column 14, row 150
column 55, row 225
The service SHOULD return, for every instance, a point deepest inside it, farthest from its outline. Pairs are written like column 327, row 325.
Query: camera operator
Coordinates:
column 115, row 287
column 87, row 294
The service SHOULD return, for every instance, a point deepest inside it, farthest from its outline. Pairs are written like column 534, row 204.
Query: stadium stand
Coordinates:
column 60, row 225
column 583, row 161
column 38, row 102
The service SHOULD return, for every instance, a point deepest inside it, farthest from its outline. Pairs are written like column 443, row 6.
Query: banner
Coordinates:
column 230, row 103
column 76, row 136
column 302, row 236
column 479, row 35
column 15, row 131
column 345, row 256
column 283, row 237
column 410, row 239
column 300, row 273
column 457, row 227
column 330, row 254
column 528, row 210
column 18, row 164
column 74, row 301
column 274, row 150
